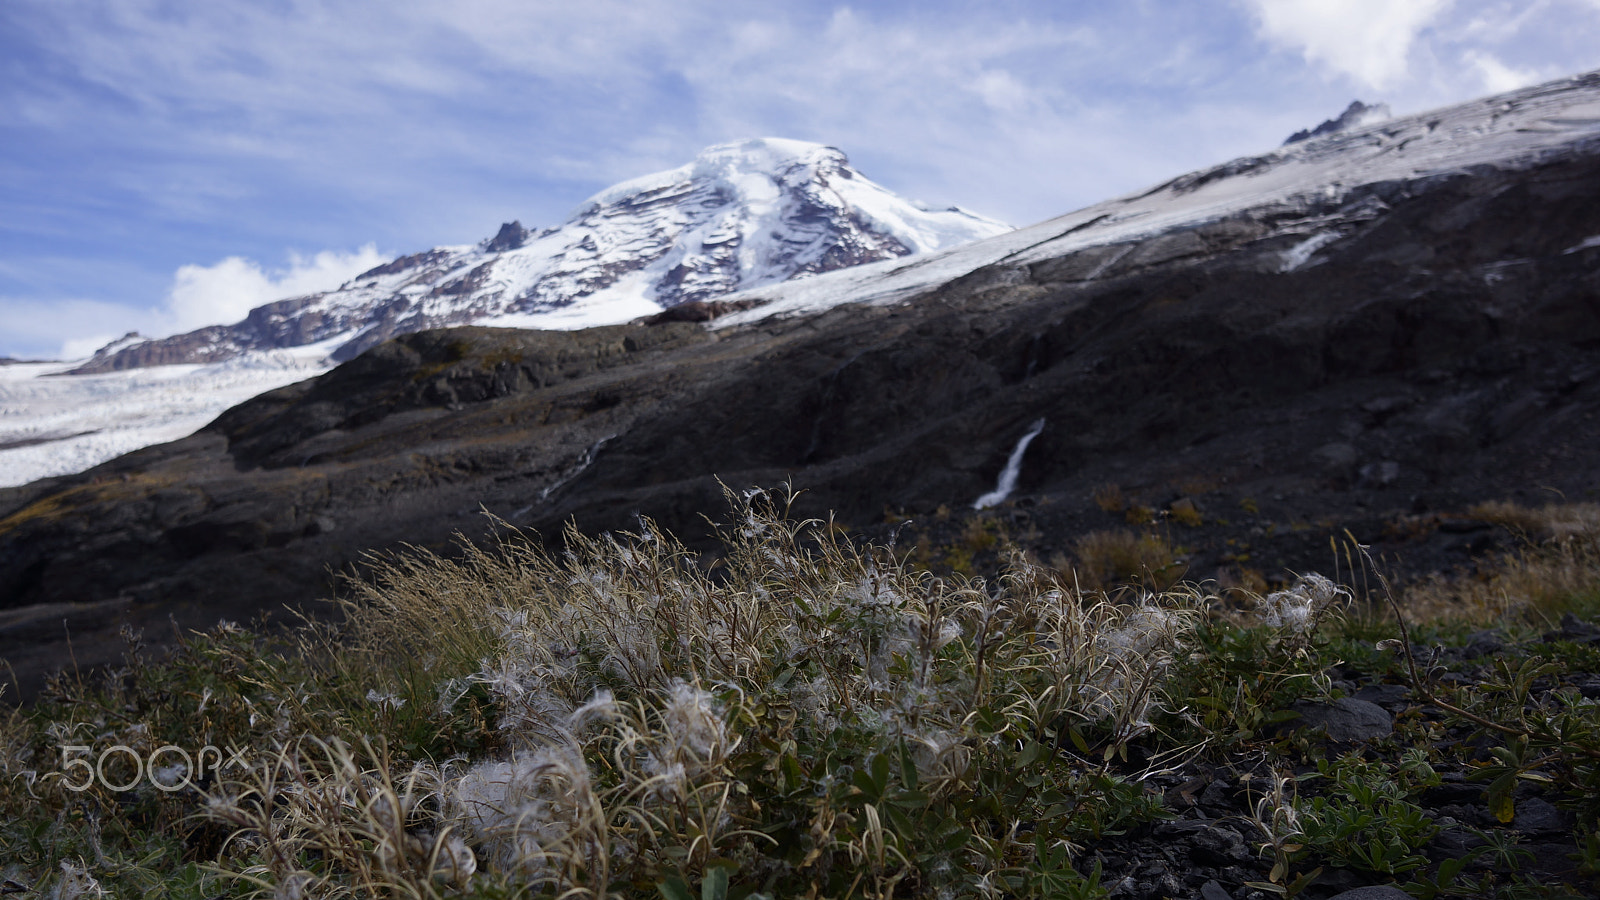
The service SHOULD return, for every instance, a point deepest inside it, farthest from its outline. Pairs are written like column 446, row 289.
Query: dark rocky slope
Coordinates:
column 1445, row 351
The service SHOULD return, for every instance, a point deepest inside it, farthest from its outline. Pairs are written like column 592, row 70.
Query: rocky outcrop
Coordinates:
column 1355, row 115
column 510, row 236
column 205, row 345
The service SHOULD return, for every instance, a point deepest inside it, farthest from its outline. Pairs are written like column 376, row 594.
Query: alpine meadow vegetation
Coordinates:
column 798, row 715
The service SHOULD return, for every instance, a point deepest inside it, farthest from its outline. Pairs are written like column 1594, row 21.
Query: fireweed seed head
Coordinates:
column 76, row 883
column 1297, row 608
column 386, row 700
column 692, row 722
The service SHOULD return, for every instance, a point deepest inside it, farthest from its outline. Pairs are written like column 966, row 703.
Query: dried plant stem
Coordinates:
column 1419, row 684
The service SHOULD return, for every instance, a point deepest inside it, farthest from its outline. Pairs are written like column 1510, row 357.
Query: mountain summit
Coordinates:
column 741, row 215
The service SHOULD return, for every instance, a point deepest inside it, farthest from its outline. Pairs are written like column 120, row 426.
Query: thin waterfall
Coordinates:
column 1008, row 475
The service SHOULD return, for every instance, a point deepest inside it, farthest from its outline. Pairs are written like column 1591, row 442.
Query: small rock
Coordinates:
column 1184, row 795
column 1576, row 630
column 1336, row 456
column 1454, row 842
column 1535, row 816
column 1373, row 892
column 1219, row 846
column 1380, row 406
column 1213, row 891
column 1454, row 794
column 1217, row 796
column 1484, row 643
column 1552, row 859
column 1335, row 880
column 1379, row 474
column 1346, row 719
column 1185, row 510
column 1385, row 695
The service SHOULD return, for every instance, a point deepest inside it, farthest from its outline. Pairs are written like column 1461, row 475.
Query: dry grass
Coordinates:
column 1185, row 512
column 1109, row 498
column 1553, row 521
column 1557, row 569
column 626, row 681
column 1105, row 559
column 53, row 507
column 808, row 717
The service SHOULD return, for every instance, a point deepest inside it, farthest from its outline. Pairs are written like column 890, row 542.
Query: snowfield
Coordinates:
column 56, row 425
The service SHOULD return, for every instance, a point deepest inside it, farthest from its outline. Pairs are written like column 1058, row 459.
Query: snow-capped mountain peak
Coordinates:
column 739, row 216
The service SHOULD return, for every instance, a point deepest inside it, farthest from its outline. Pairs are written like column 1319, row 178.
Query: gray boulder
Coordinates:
column 1346, row 719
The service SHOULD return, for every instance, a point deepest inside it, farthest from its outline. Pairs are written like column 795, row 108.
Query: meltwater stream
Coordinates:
column 1008, row 475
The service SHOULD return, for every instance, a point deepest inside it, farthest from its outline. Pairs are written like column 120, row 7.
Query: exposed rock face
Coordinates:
column 1441, row 351
column 203, row 345
column 511, row 236
column 1355, row 115
column 741, row 215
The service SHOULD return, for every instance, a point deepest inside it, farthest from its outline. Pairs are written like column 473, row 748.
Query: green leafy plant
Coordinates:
column 1363, row 820
column 1052, row 876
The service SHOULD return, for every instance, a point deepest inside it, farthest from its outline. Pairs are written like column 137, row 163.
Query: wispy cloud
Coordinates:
column 34, row 327
column 1497, row 76
column 1435, row 51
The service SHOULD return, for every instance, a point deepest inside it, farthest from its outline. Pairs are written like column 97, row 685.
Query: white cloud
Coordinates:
column 54, row 329
column 1497, row 76
column 223, row 293
column 219, row 294
column 84, row 347
column 1001, row 92
column 921, row 103
column 1369, row 40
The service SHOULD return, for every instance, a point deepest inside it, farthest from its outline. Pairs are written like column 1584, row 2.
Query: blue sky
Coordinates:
column 166, row 164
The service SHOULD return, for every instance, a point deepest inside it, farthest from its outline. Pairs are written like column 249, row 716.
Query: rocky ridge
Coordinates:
column 1355, row 115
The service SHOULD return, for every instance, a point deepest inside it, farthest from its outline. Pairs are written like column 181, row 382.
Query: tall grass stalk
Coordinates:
column 793, row 713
